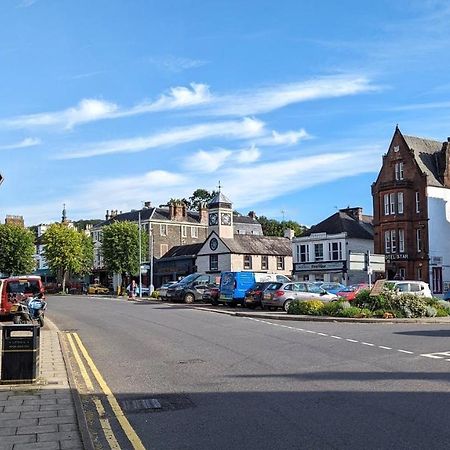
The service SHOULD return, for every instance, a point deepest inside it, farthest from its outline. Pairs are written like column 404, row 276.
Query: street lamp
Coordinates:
column 140, row 256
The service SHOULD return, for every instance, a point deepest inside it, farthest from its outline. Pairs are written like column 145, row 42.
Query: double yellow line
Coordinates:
column 75, row 341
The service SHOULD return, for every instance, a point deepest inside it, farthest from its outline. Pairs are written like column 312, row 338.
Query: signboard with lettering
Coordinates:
column 319, row 266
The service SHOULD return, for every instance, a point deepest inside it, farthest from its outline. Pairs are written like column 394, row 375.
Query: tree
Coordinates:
column 16, row 249
column 67, row 251
column 273, row 227
column 198, row 197
column 120, row 247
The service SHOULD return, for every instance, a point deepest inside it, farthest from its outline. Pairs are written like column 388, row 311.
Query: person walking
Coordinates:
column 132, row 290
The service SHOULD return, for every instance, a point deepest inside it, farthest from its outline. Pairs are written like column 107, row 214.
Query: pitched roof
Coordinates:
column 183, row 250
column 259, row 245
column 342, row 222
column 219, row 198
column 428, row 155
column 239, row 218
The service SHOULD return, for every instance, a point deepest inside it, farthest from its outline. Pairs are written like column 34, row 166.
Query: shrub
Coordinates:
column 442, row 312
column 334, row 308
column 362, row 298
column 307, row 307
column 356, row 312
column 155, row 294
column 410, row 305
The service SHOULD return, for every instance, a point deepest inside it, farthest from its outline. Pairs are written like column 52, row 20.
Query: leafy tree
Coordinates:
column 198, row 197
column 67, row 251
column 120, row 247
column 17, row 249
column 273, row 227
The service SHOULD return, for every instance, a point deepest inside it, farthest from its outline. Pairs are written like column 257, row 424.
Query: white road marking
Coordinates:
column 384, row 347
column 436, row 355
column 322, row 334
column 405, row 351
column 351, row 340
column 335, row 337
column 310, row 331
column 368, row 343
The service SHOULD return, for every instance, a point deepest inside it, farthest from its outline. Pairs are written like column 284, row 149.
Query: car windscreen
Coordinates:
column 315, row 289
column 189, row 278
column 23, row 287
column 273, row 286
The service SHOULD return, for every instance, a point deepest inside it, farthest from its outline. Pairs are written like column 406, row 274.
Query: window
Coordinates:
column 163, row 229
column 194, row 232
column 164, row 248
column 437, row 280
column 213, row 262
column 419, row 240
column 183, row 230
column 297, row 252
column 265, row 262
column 393, row 241
column 387, row 242
column 401, row 240
column 318, row 252
column 400, row 202
column 392, row 203
column 304, row 253
column 386, row 204
column 419, row 273
column 335, row 249
column 399, row 170
column 280, row 262
column 417, row 203
column 247, row 261
column 402, row 273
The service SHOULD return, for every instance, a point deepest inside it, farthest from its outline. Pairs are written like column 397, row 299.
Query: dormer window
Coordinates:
column 399, row 170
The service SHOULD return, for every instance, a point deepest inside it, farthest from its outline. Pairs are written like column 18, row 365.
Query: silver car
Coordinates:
column 162, row 291
column 283, row 296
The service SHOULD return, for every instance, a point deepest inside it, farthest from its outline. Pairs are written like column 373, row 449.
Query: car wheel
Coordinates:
column 286, row 305
column 189, row 298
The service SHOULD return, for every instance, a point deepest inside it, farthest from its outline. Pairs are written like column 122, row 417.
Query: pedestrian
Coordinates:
column 132, row 290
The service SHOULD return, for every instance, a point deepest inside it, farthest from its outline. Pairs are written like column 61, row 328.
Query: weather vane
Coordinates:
column 219, row 186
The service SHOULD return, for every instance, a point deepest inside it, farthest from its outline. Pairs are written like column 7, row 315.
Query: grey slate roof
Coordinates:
column 259, row 245
column 183, row 250
column 428, row 154
column 341, row 222
column 219, row 198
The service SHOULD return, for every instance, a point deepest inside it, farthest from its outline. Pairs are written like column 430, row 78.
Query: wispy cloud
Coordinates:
column 249, row 155
column 90, row 110
column 26, row 3
column 175, row 63
column 420, row 106
column 242, row 129
column 27, row 142
column 286, row 138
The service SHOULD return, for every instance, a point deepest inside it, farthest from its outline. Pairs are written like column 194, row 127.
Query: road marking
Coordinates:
column 106, row 426
column 368, row 343
column 322, row 334
column 384, row 347
column 335, row 337
column 84, row 374
column 405, row 351
column 436, row 355
column 310, row 331
column 126, row 427
column 351, row 340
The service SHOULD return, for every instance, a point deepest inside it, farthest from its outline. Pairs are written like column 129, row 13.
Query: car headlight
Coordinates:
column 178, row 288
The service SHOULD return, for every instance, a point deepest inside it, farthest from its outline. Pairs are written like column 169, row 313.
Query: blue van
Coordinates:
column 233, row 286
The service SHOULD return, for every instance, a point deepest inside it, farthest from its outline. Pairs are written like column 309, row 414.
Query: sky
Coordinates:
column 106, row 104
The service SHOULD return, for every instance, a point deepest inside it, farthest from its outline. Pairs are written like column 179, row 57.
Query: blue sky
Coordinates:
column 291, row 104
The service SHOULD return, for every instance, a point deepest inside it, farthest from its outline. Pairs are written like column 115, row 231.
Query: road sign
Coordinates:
column 357, row 261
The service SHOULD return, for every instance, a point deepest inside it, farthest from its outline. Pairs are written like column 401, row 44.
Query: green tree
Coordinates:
column 198, row 197
column 67, row 251
column 120, row 248
column 273, row 227
column 16, row 249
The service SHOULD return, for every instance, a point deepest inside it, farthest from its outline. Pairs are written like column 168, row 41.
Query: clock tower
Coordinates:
column 220, row 216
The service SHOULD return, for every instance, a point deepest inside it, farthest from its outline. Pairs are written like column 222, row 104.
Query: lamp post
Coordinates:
column 151, row 288
column 140, row 256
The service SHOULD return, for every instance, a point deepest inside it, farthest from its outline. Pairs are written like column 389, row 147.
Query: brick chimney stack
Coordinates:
column 177, row 211
column 356, row 213
column 252, row 215
column 203, row 213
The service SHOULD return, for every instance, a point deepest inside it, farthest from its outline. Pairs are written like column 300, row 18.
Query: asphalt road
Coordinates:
column 238, row 383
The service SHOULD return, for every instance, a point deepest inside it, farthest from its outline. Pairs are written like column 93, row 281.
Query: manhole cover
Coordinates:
column 164, row 402
column 142, row 404
column 191, row 361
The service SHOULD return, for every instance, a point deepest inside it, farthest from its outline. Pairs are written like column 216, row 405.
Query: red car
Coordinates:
column 351, row 292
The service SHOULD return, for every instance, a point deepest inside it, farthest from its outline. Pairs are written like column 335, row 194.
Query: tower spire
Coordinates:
column 64, row 214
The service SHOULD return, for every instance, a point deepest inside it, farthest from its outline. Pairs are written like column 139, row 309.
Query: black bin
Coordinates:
column 20, row 353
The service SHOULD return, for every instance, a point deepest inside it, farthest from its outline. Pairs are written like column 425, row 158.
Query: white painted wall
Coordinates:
column 438, row 200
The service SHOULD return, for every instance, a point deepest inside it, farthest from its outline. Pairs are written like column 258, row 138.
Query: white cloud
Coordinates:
column 203, row 161
column 27, row 142
column 287, row 138
column 242, row 129
column 248, row 155
column 26, row 3
column 176, row 63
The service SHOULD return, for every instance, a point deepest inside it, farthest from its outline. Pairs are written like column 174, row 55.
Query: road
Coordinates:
column 239, row 383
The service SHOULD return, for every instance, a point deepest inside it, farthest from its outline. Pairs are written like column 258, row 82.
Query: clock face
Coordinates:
column 213, row 244
column 213, row 219
column 225, row 219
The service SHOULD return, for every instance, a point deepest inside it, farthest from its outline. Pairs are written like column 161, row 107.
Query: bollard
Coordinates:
column 20, row 354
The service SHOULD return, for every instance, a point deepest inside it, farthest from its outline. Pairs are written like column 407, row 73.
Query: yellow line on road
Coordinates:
column 106, row 426
column 126, row 426
column 80, row 363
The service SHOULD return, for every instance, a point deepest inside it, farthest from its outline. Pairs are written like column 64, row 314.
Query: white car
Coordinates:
column 411, row 287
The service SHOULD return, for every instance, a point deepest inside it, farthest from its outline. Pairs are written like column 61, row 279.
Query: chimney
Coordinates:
column 252, row 215
column 147, row 205
column 15, row 220
column 289, row 233
column 107, row 215
column 203, row 213
column 356, row 213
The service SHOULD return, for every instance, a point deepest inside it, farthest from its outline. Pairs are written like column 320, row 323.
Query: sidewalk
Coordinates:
column 42, row 415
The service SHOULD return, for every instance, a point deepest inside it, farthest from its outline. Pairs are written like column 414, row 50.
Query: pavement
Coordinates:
column 42, row 415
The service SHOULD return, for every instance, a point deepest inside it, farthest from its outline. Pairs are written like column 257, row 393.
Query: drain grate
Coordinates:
column 165, row 402
column 191, row 361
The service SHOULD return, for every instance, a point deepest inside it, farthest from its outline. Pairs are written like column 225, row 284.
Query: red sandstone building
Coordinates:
column 411, row 214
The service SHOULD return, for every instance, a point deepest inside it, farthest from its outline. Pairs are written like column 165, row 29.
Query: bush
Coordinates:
column 442, row 312
column 155, row 294
column 362, row 298
column 307, row 307
column 334, row 309
column 354, row 311
column 410, row 305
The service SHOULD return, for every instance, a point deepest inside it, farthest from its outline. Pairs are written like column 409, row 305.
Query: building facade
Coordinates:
column 322, row 253
column 412, row 211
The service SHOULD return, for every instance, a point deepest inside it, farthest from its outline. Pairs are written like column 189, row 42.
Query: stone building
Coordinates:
column 411, row 202
column 322, row 253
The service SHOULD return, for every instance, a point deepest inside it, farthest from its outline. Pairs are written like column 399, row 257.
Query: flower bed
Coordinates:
column 388, row 304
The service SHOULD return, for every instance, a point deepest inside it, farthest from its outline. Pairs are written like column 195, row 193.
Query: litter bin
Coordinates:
column 20, row 353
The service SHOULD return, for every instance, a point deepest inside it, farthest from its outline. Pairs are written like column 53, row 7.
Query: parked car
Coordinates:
column 332, row 288
column 350, row 292
column 253, row 296
column 211, row 294
column 190, row 288
column 411, row 287
column 162, row 291
column 286, row 293
column 97, row 289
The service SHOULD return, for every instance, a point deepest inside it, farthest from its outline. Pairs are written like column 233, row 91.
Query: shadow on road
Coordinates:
column 427, row 333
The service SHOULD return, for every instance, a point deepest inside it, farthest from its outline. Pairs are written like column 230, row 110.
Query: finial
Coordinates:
column 64, row 213
column 219, row 186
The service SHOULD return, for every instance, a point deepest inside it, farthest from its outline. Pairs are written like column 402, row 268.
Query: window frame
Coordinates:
column 163, row 229
column 184, row 231
column 417, row 198
column 386, row 204
column 280, row 262
column 214, row 258
column 264, row 262
column 393, row 241
column 387, row 241
column 401, row 240
column 304, row 256
column 316, row 247
column 419, row 240
column 392, row 202
column 248, row 263
column 194, row 232
column 400, row 195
